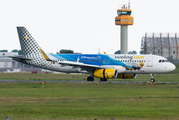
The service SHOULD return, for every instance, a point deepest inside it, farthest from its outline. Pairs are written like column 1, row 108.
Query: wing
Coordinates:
column 87, row 67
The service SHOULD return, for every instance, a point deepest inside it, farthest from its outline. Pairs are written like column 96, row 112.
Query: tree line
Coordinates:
column 15, row 50
column 130, row 52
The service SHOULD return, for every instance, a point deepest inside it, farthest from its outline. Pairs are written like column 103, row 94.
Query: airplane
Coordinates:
column 103, row 66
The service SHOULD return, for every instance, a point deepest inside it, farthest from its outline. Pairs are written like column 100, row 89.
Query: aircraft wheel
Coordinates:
column 90, row 79
column 103, row 79
column 152, row 80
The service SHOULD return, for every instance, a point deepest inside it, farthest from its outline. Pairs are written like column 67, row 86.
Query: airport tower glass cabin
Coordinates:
column 124, row 19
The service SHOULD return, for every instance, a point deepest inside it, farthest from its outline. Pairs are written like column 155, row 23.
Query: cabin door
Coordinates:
column 150, row 61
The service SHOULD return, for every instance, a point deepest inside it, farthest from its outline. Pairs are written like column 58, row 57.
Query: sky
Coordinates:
column 84, row 26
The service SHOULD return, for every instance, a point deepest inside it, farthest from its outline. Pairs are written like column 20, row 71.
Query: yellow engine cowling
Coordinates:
column 127, row 76
column 105, row 73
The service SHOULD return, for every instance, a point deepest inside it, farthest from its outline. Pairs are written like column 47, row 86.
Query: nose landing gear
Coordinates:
column 152, row 80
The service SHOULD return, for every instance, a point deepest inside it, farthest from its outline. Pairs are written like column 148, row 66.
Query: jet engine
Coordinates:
column 105, row 73
column 127, row 76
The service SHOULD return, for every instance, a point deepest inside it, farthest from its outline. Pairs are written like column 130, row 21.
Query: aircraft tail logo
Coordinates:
column 28, row 44
column 31, row 50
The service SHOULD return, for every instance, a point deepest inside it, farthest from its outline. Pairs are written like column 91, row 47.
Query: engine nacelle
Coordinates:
column 120, row 69
column 127, row 76
column 105, row 73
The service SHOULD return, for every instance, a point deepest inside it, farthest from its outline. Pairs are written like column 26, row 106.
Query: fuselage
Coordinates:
column 136, row 64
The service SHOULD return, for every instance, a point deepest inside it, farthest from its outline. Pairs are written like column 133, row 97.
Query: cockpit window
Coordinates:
column 161, row 61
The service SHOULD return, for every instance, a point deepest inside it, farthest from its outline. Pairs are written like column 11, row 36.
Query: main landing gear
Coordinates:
column 90, row 78
column 152, row 80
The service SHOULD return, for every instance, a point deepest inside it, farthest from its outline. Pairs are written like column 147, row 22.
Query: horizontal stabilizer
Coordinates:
column 19, row 58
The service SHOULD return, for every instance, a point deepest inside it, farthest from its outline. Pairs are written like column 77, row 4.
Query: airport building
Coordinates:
column 8, row 64
column 163, row 44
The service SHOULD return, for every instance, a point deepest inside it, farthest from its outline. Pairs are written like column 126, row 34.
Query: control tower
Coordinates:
column 124, row 19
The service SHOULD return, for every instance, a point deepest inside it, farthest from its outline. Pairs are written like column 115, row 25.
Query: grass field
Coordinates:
column 85, row 101
column 82, row 101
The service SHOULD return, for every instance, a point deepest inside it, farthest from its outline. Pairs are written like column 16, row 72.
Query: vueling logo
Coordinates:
column 138, row 57
column 129, row 57
column 26, row 37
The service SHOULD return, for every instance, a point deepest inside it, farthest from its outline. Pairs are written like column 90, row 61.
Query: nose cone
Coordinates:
column 172, row 67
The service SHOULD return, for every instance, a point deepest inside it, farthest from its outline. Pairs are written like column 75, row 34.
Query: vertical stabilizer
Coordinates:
column 31, row 50
column 29, row 46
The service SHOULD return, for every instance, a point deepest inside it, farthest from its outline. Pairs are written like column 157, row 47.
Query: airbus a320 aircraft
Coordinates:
column 103, row 66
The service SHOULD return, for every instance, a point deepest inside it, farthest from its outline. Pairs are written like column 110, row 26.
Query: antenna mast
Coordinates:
column 99, row 50
column 129, row 4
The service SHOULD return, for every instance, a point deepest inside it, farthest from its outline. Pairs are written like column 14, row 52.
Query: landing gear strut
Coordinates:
column 152, row 78
column 90, row 78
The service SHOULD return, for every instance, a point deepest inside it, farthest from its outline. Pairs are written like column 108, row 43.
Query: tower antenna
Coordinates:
column 129, row 4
